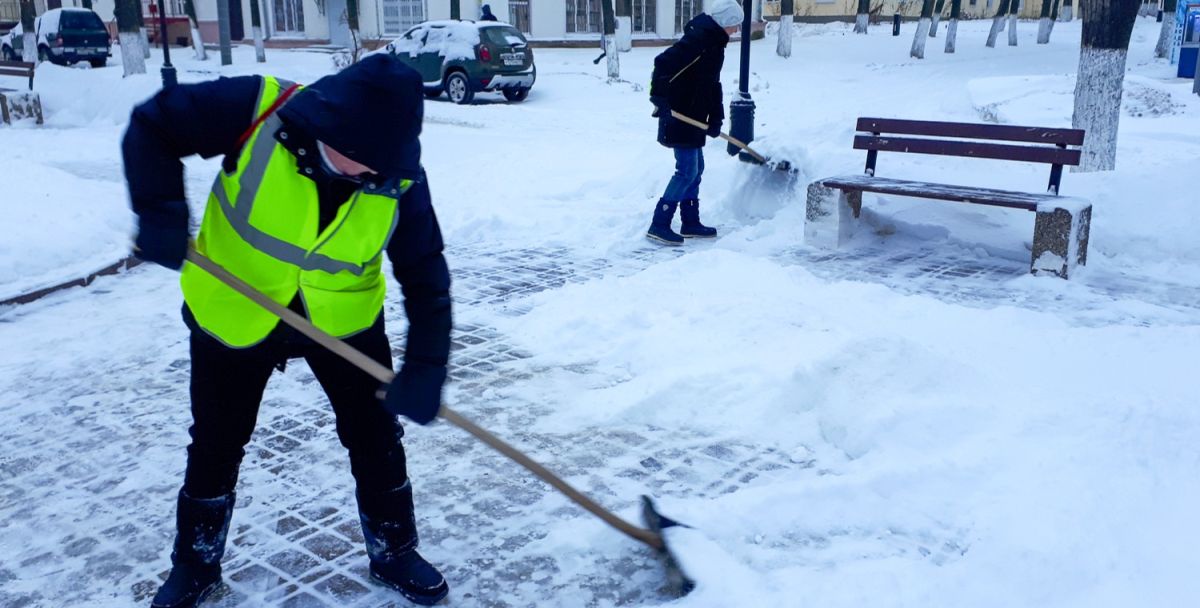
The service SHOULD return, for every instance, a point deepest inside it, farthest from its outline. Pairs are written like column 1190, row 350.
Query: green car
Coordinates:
column 463, row 58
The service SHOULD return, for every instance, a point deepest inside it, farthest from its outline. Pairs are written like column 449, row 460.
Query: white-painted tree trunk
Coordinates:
column 198, row 43
column 783, row 45
column 1098, row 106
column 997, row 26
column 918, row 45
column 1196, row 82
column 1163, row 48
column 933, row 25
column 132, row 58
column 860, row 23
column 614, row 64
column 1012, row 30
column 1045, row 26
column 260, row 51
column 951, row 35
column 1065, row 14
column 29, row 51
column 145, row 42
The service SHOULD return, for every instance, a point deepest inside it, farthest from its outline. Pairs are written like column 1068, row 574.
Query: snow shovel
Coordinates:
column 780, row 165
column 651, row 535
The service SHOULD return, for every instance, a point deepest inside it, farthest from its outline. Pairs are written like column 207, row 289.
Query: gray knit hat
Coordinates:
column 727, row 13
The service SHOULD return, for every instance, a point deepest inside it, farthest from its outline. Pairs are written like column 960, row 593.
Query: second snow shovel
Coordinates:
column 780, row 165
column 651, row 535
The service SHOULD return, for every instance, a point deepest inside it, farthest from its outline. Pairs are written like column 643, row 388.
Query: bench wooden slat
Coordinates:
column 1033, row 154
column 1069, row 137
column 946, row 192
column 11, row 72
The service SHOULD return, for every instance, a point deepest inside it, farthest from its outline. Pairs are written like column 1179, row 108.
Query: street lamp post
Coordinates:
column 741, row 109
column 168, row 71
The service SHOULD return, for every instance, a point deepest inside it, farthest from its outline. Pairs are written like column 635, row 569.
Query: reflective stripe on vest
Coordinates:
column 262, row 224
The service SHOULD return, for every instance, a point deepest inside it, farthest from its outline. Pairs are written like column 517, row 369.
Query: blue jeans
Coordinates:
column 685, row 184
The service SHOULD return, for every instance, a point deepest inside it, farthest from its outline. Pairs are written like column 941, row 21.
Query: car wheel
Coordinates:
column 43, row 54
column 433, row 93
column 459, row 89
column 9, row 55
column 517, row 94
column 98, row 63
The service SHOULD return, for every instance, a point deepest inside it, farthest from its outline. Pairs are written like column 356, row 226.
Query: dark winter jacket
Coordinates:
column 486, row 14
column 688, row 76
column 208, row 118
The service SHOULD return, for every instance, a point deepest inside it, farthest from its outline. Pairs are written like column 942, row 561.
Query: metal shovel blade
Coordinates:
column 656, row 523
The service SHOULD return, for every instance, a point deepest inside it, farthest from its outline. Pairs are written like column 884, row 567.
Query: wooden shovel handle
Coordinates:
column 733, row 140
column 385, row 375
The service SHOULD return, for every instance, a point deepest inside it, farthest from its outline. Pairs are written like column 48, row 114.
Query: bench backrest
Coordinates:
column 18, row 68
column 941, row 138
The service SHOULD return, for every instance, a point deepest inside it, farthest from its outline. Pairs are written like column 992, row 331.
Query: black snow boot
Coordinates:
column 689, row 212
column 390, row 529
column 660, row 227
column 201, row 527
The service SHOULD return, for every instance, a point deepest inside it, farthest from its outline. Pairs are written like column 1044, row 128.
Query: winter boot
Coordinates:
column 660, row 227
column 201, row 527
column 391, row 533
column 689, row 212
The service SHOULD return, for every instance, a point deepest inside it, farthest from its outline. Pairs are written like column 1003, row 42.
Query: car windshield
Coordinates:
column 505, row 35
column 81, row 20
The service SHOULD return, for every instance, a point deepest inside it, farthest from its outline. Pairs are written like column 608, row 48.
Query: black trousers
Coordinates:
column 227, row 387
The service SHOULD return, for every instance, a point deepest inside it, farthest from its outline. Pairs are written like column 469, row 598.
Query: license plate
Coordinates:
column 513, row 58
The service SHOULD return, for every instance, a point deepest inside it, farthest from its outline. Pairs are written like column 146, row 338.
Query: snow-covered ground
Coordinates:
column 912, row 420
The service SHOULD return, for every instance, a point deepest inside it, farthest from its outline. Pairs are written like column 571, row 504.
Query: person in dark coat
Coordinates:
column 486, row 13
column 687, row 79
column 333, row 173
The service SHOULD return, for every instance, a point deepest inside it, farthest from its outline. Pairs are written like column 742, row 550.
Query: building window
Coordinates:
column 642, row 12
column 686, row 10
column 518, row 15
column 583, row 17
column 399, row 15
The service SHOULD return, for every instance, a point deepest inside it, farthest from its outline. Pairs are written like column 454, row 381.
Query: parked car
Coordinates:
column 462, row 58
column 64, row 36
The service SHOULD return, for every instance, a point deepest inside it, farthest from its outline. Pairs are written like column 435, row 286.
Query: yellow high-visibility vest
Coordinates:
column 261, row 224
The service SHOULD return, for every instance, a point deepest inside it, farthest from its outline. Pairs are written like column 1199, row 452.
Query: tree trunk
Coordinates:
column 952, row 27
column 145, row 37
column 1107, row 26
column 1066, row 14
column 1163, row 48
column 937, row 16
column 223, row 33
column 129, row 36
column 610, row 40
column 455, row 10
column 918, row 45
column 1013, row 7
column 29, row 49
column 260, row 53
column 189, row 8
column 997, row 23
column 863, row 16
column 783, row 46
column 1044, row 22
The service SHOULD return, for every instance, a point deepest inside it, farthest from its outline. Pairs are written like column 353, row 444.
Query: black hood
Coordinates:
column 705, row 31
column 371, row 112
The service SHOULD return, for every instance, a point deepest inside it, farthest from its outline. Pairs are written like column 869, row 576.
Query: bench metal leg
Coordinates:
column 826, row 206
column 1060, row 240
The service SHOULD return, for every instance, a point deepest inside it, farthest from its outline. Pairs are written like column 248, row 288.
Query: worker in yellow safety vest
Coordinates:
column 316, row 185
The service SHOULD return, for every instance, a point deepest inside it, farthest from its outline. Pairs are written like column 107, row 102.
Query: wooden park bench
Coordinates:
column 16, row 104
column 1060, row 230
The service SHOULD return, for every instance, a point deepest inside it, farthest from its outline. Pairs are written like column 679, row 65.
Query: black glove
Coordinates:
column 416, row 392
column 661, row 106
column 162, row 235
column 714, row 128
